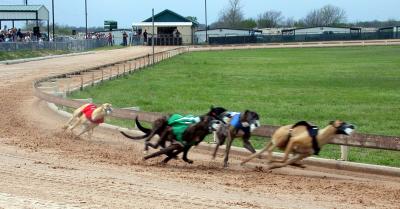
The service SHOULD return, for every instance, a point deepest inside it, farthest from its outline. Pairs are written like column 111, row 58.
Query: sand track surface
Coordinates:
column 43, row 167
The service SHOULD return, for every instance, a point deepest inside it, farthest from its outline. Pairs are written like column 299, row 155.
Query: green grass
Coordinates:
column 356, row 84
column 23, row 54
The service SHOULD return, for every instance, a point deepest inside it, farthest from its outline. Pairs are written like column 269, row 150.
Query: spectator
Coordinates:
column 20, row 36
column 27, row 37
column 145, row 37
column 110, row 39
column 125, row 39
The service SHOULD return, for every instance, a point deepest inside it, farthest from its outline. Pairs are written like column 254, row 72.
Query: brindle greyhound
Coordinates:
column 160, row 128
column 192, row 136
column 238, row 124
column 301, row 139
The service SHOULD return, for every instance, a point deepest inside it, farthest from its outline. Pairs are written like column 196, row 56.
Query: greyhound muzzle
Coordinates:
column 215, row 125
column 109, row 110
column 346, row 129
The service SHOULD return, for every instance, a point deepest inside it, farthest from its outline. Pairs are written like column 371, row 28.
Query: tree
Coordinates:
column 289, row 22
column 269, row 19
column 328, row 15
column 192, row 18
column 232, row 16
column 248, row 23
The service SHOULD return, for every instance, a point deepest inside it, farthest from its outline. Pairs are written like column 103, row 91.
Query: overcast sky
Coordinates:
column 71, row 12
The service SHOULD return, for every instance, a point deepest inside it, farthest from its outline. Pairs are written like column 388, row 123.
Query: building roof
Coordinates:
column 292, row 29
column 237, row 29
column 167, row 18
column 20, row 8
column 23, row 12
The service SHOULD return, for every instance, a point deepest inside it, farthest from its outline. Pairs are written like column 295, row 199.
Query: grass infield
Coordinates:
column 356, row 84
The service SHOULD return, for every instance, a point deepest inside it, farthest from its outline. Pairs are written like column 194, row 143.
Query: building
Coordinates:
column 166, row 24
column 24, row 13
column 390, row 32
column 200, row 35
column 321, row 30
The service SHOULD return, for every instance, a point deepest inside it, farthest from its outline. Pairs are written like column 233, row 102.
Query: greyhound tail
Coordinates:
column 256, row 154
column 141, row 128
column 133, row 137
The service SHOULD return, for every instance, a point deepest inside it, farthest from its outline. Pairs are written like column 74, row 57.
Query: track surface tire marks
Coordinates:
column 43, row 167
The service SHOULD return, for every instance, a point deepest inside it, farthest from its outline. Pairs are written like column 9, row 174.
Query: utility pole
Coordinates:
column 152, row 36
column 86, row 18
column 205, row 9
column 52, row 9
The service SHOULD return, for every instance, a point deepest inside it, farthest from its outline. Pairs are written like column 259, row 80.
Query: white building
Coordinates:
column 200, row 35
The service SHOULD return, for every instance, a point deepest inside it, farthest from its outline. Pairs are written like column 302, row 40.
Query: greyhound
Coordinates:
column 301, row 139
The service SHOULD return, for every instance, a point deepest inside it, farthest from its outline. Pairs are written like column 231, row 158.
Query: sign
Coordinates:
column 110, row 25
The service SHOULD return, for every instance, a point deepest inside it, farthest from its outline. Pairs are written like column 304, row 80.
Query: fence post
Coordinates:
column 118, row 70
column 109, row 78
column 92, row 78
column 102, row 75
column 81, row 83
column 148, row 59
column 344, row 150
column 124, row 69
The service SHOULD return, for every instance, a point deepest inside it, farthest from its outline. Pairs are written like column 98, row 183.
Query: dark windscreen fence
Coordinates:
column 232, row 39
column 221, row 40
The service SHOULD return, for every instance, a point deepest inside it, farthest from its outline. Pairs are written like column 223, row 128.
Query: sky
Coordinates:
column 72, row 12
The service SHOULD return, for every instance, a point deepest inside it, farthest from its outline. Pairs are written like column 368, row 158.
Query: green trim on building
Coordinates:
column 169, row 16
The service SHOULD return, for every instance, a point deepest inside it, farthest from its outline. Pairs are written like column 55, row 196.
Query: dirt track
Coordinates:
column 41, row 167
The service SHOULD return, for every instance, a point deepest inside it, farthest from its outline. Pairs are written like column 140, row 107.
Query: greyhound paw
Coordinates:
column 225, row 165
column 188, row 161
column 298, row 165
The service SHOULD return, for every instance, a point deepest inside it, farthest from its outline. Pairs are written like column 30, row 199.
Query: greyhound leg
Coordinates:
column 215, row 151
column 173, row 154
column 185, row 152
column 227, row 149
column 85, row 129
column 219, row 143
column 65, row 127
column 248, row 145
column 90, row 132
column 293, row 160
column 163, row 151
column 288, row 150
column 256, row 154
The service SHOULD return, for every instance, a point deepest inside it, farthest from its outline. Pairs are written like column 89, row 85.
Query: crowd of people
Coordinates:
column 15, row 35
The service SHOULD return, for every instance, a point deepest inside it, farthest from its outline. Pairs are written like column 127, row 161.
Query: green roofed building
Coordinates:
column 166, row 23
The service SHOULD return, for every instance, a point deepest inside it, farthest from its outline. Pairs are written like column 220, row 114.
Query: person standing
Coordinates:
column 145, row 37
column 110, row 39
column 125, row 39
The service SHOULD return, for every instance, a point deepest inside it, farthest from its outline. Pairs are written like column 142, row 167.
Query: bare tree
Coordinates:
column 270, row 19
column 328, row 15
column 289, row 22
column 232, row 16
column 332, row 15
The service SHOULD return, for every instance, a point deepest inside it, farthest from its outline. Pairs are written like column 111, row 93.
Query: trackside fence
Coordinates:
column 78, row 80
column 73, row 45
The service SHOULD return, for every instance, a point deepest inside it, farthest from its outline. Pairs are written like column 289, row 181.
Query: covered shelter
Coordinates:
column 24, row 13
column 166, row 24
